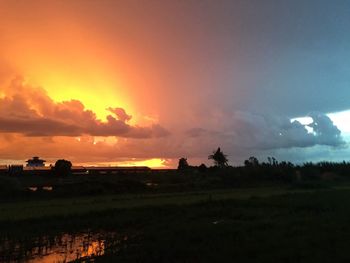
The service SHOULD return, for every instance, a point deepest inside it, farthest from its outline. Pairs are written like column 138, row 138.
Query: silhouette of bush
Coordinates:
column 63, row 167
column 183, row 164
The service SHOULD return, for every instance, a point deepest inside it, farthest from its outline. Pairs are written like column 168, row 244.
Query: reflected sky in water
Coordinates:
column 61, row 248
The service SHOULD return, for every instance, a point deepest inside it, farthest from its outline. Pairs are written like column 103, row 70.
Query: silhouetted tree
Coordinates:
column 183, row 164
column 63, row 167
column 202, row 168
column 251, row 162
column 219, row 158
column 272, row 161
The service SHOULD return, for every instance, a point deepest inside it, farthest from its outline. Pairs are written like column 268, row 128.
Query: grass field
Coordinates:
column 22, row 210
column 295, row 227
column 245, row 225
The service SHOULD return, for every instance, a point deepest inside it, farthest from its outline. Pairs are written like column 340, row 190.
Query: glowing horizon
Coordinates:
column 217, row 77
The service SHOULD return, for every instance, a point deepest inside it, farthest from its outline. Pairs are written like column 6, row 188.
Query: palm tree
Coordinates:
column 219, row 158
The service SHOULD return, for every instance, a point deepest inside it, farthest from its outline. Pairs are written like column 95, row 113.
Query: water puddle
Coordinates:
column 61, row 248
column 44, row 188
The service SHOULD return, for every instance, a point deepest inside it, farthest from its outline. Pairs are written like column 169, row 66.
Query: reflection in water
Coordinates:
column 44, row 188
column 62, row 248
column 68, row 248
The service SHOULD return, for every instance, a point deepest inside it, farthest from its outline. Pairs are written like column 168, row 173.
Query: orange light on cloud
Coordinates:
column 96, row 94
column 65, row 58
column 75, row 53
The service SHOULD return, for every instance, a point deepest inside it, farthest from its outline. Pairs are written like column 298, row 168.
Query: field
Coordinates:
column 241, row 225
column 23, row 210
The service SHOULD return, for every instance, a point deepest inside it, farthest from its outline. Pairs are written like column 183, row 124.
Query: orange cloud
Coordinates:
column 30, row 111
column 120, row 113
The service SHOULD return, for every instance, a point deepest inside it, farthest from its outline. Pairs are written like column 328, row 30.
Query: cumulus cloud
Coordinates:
column 325, row 131
column 120, row 113
column 31, row 112
column 244, row 130
column 27, row 111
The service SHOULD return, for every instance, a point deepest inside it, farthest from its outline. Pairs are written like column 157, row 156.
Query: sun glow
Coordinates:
column 96, row 94
column 153, row 163
column 70, row 64
column 58, row 50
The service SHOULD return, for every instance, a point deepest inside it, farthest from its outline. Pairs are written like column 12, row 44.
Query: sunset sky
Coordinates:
column 105, row 82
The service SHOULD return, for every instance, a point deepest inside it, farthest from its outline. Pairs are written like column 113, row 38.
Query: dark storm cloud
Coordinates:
column 244, row 130
column 325, row 131
column 281, row 133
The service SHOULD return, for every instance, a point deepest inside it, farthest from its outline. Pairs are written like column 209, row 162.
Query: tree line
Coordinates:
column 271, row 170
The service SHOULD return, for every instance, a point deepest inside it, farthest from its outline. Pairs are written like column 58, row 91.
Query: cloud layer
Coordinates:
column 244, row 130
column 27, row 111
column 31, row 112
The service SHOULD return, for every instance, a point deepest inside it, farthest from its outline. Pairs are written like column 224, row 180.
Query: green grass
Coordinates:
column 245, row 225
column 74, row 206
column 298, row 227
column 22, row 210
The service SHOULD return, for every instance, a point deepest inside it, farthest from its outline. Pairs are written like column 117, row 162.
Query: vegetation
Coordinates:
column 183, row 164
column 301, row 226
column 220, row 159
column 185, row 178
column 30, row 209
column 63, row 167
column 260, row 212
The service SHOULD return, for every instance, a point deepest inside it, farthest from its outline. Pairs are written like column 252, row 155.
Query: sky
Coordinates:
column 105, row 82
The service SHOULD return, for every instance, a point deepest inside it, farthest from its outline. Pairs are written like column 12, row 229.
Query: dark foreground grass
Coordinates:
column 81, row 205
column 308, row 227
column 292, row 227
